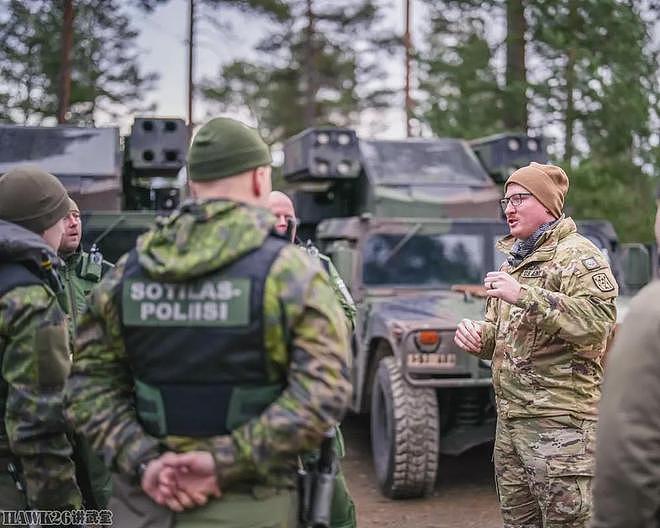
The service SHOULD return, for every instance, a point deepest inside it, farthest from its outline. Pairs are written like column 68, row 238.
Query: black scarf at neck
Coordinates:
column 523, row 248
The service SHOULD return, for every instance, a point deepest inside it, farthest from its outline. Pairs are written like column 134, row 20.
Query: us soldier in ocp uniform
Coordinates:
column 549, row 316
column 343, row 507
column 216, row 337
column 79, row 273
column 36, row 466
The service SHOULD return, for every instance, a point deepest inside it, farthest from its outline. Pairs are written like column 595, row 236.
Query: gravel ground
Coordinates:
column 464, row 495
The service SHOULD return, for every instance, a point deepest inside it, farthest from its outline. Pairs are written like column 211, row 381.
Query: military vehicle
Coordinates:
column 411, row 226
column 119, row 190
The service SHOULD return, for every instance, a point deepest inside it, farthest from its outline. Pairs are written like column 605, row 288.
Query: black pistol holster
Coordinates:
column 316, row 484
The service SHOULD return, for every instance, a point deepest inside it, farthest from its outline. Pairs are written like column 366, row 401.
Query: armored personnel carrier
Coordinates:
column 118, row 187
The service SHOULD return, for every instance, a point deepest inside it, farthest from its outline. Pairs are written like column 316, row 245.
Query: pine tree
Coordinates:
column 461, row 96
column 105, row 74
column 599, row 85
column 316, row 68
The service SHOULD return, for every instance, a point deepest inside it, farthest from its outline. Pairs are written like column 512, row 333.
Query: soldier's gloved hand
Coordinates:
column 468, row 335
column 503, row 286
column 190, row 475
column 155, row 484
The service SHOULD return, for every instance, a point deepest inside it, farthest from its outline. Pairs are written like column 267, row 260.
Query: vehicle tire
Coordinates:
column 404, row 434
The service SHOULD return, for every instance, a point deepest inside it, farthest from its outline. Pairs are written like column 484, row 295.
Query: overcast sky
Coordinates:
column 162, row 41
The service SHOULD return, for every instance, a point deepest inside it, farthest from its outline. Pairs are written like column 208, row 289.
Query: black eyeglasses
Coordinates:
column 515, row 199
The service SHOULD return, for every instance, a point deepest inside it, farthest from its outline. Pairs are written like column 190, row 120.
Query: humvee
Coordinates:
column 411, row 226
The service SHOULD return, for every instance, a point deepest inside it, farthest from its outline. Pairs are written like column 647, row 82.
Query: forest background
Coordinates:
column 584, row 74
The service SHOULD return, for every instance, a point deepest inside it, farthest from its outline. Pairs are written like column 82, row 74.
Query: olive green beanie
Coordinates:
column 225, row 147
column 32, row 198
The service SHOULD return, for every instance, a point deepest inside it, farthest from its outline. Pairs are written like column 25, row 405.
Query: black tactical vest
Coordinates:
column 12, row 275
column 196, row 348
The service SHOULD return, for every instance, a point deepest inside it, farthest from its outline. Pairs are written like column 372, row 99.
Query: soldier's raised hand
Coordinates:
column 501, row 285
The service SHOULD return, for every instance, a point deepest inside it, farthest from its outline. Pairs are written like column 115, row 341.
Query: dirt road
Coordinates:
column 464, row 495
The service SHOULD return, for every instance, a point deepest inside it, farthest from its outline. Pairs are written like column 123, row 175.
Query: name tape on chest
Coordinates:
column 203, row 303
column 532, row 273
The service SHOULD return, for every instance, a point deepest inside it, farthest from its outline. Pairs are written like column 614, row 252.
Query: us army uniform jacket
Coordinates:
column 547, row 349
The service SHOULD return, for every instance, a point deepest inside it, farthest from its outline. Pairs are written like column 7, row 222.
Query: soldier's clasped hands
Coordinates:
column 181, row 480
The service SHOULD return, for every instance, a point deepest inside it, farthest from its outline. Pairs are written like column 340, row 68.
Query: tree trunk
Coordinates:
column 569, row 116
column 312, row 88
column 191, row 58
column 64, row 89
column 407, row 43
column 515, row 105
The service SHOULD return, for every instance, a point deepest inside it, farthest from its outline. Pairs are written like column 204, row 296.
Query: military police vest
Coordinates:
column 196, row 348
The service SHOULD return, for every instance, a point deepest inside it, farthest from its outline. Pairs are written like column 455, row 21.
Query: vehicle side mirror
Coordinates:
column 636, row 264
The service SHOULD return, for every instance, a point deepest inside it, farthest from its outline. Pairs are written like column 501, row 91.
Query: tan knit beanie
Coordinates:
column 548, row 184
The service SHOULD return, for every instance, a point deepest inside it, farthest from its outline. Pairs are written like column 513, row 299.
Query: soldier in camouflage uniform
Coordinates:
column 36, row 466
column 80, row 272
column 343, row 507
column 285, row 215
column 549, row 316
column 216, row 337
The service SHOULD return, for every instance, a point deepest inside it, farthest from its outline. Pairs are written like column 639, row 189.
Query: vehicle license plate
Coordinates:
column 434, row 360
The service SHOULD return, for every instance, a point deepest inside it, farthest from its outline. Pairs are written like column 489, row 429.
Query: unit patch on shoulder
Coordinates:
column 602, row 282
column 591, row 264
column 532, row 273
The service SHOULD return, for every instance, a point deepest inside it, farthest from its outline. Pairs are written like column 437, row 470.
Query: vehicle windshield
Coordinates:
column 441, row 161
column 438, row 260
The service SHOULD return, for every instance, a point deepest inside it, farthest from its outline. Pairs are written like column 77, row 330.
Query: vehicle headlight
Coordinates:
column 322, row 138
column 532, row 145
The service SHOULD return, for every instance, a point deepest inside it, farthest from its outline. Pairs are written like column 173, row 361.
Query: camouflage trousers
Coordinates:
column 543, row 470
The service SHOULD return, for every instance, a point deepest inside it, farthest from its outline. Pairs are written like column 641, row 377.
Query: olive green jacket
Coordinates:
column 627, row 483
column 77, row 284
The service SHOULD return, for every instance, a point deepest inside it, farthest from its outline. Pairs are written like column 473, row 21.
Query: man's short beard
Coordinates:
column 66, row 249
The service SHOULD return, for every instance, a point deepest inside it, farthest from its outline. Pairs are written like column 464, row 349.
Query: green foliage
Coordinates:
column 462, row 97
column 592, row 85
column 599, row 75
column 324, row 73
column 105, row 74
column 599, row 84
column 618, row 191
